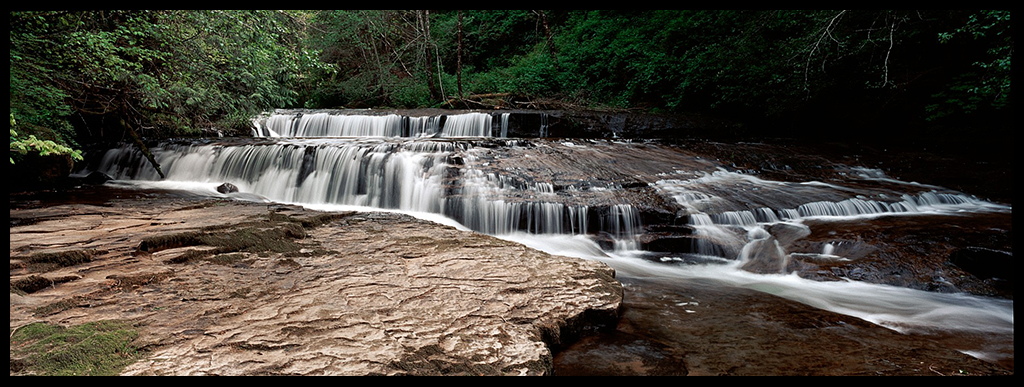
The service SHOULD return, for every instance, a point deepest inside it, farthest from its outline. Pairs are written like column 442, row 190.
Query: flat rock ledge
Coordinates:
column 236, row 288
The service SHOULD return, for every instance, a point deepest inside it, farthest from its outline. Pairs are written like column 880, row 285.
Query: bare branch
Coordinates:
column 892, row 43
column 885, row 65
column 826, row 32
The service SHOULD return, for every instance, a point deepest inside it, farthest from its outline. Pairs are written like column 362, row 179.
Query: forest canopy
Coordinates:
column 85, row 76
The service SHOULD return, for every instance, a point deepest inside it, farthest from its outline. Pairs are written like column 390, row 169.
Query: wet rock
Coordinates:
column 984, row 263
column 227, row 188
column 764, row 256
column 787, row 233
column 696, row 329
column 993, row 266
column 667, row 243
column 97, row 178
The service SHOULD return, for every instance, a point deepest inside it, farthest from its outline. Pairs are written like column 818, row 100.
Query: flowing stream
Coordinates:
column 604, row 200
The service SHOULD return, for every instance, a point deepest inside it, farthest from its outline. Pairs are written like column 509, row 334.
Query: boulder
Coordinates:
column 227, row 188
column 97, row 178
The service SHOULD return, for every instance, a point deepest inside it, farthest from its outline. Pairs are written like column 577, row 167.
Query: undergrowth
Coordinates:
column 101, row 348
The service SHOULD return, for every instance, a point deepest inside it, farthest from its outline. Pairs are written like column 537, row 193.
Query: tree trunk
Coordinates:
column 550, row 42
column 143, row 148
column 424, row 17
column 458, row 68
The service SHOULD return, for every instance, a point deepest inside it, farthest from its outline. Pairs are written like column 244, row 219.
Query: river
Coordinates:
column 686, row 225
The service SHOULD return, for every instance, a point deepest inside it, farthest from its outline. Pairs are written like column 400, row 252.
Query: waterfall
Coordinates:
column 738, row 224
column 325, row 124
column 543, row 132
column 504, row 125
column 853, row 207
column 734, row 217
column 623, row 223
column 422, row 126
column 442, row 176
column 425, row 176
column 467, row 125
column 741, row 235
column 332, row 125
column 714, row 240
column 404, row 176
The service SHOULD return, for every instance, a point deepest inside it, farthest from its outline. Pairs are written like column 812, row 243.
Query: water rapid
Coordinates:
column 462, row 170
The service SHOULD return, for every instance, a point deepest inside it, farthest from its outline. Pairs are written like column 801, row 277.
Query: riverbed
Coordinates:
column 768, row 257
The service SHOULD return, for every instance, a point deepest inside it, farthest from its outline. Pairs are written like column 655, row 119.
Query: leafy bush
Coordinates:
column 21, row 145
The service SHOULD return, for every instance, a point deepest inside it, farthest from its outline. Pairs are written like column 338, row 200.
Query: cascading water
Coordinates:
column 368, row 161
column 740, row 224
column 740, row 234
column 504, row 125
column 324, row 124
column 467, row 125
column 623, row 223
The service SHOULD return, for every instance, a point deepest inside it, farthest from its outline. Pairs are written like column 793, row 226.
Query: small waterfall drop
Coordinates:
column 432, row 176
column 332, row 125
column 623, row 222
column 467, row 125
column 328, row 124
column 504, row 125
column 741, row 235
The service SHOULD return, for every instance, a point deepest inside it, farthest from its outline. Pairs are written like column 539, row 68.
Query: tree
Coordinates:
column 126, row 74
column 986, row 85
column 167, row 72
column 383, row 58
column 34, row 97
column 129, row 73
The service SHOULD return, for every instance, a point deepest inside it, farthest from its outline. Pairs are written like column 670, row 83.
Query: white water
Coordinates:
column 394, row 174
column 322, row 124
column 902, row 309
column 409, row 176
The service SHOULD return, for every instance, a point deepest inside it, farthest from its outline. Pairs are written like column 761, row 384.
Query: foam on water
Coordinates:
column 324, row 124
column 902, row 309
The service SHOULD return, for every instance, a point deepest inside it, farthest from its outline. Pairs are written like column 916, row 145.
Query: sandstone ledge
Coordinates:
column 234, row 288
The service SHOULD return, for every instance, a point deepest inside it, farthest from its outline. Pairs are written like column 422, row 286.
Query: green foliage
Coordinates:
column 35, row 99
column 743, row 63
column 619, row 55
column 21, row 145
column 760, row 61
column 986, row 86
column 382, row 58
column 166, row 72
column 227, row 67
column 496, row 38
column 100, row 348
column 175, row 72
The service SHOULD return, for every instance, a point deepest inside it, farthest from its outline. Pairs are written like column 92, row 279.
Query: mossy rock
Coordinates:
column 101, row 348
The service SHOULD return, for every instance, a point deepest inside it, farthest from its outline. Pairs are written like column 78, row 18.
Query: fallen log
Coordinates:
column 474, row 99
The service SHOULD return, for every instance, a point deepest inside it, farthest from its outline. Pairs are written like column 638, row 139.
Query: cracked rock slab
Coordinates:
column 352, row 294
